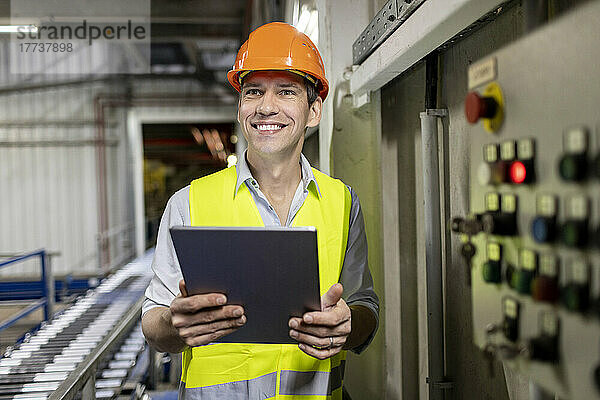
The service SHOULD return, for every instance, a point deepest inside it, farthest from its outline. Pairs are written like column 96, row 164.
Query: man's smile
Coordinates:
column 268, row 128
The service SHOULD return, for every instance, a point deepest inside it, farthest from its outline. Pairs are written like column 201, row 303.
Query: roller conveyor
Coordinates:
column 90, row 333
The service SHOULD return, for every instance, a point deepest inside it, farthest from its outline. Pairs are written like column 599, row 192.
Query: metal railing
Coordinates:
column 47, row 300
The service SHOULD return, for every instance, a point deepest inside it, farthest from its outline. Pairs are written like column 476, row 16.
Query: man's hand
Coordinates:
column 323, row 334
column 201, row 319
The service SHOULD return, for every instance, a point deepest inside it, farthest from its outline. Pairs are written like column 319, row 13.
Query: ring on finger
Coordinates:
column 330, row 345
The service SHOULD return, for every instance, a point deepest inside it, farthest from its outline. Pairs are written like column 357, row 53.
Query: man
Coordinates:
column 281, row 80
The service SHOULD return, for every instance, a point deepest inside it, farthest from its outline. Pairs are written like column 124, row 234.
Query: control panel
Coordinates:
column 532, row 239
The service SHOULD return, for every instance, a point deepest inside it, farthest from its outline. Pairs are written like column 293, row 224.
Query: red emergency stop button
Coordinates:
column 477, row 107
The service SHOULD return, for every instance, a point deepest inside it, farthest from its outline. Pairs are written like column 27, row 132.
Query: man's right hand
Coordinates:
column 204, row 318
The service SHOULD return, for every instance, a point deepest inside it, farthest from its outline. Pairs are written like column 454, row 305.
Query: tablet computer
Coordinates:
column 271, row 271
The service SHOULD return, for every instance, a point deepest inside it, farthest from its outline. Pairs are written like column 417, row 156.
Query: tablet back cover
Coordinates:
column 272, row 272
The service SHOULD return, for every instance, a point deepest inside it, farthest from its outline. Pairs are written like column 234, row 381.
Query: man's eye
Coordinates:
column 253, row 92
column 287, row 92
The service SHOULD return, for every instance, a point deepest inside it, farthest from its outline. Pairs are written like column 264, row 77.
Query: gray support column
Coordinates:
column 433, row 251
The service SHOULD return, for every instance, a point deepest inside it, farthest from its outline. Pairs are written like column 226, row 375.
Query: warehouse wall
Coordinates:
column 49, row 196
column 48, row 191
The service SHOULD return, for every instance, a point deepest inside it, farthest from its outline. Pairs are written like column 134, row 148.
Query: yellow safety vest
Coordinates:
column 266, row 371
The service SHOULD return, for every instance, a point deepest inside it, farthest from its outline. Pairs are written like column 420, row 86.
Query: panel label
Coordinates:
column 576, row 140
column 580, row 272
column 493, row 251
column 549, row 323
column 548, row 265
column 527, row 259
column 525, row 149
column 507, row 151
column 482, row 72
column 492, row 202
column 578, row 207
column 490, row 153
column 509, row 203
column 511, row 308
column 546, row 205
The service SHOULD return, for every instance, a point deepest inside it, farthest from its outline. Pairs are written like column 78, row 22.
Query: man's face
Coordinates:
column 273, row 112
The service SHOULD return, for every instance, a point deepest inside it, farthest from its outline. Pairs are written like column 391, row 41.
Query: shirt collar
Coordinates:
column 243, row 174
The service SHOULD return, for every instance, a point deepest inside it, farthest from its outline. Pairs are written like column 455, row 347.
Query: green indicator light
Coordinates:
column 567, row 168
column 573, row 233
column 523, row 281
column 571, row 299
column 491, row 272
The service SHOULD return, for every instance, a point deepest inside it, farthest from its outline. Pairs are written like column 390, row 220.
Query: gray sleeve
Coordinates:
column 164, row 286
column 356, row 276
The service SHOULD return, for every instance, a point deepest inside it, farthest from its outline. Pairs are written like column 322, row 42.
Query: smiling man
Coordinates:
column 280, row 76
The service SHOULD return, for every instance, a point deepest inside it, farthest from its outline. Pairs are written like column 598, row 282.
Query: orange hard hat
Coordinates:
column 279, row 46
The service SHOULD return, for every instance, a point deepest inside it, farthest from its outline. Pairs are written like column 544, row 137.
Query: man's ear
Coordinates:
column 314, row 112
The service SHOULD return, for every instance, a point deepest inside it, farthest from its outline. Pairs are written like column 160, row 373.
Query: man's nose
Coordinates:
column 267, row 104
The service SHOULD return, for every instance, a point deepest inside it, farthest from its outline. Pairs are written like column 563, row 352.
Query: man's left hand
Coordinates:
column 323, row 334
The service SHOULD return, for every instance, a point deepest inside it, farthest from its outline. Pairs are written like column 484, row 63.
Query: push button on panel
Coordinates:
column 492, row 171
column 543, row 226
column 477, row 107
column 500, row 217
column 545, row 347
column 510, row 325
column 543, row 229
column 574, row 231
column 492, row 268
column 487, row 106
column 576, row 294
column 573, row 164
column 545, row 284
column 522, row 170
column 573, row 167
column 523, row 277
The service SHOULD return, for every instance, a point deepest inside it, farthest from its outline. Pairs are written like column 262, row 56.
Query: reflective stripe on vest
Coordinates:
column 231, row 367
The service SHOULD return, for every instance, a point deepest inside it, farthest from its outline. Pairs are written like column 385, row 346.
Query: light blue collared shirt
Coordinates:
column 267, row 212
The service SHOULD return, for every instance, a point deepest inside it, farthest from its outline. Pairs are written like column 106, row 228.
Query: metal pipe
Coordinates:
column 62, row 123
column 45, row 284
column 91, row 79
column 431, row 79
column 433, row 252
column 48, row 280
column 60, row 143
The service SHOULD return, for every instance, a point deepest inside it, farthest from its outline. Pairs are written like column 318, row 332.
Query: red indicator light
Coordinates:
column 518, row 172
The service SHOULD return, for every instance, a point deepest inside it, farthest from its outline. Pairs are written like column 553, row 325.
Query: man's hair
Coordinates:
column 311, row 91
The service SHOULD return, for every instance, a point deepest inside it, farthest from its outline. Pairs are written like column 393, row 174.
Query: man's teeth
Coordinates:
column 268, row 127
